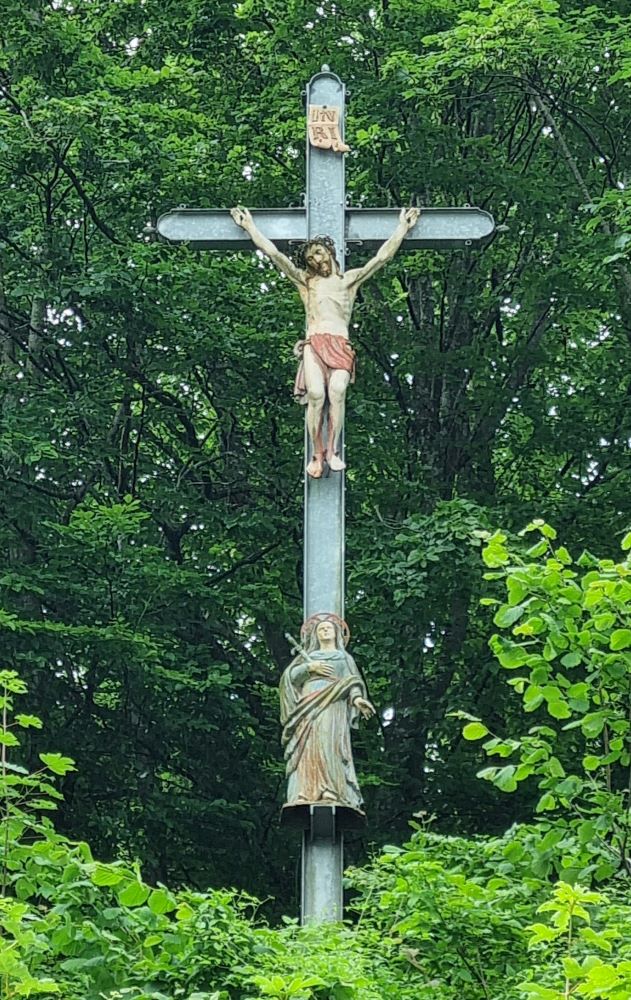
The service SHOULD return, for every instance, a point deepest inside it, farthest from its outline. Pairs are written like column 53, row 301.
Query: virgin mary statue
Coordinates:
column 322, row 695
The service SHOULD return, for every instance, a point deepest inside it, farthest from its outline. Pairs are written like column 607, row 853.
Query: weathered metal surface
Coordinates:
column 322, row 847
column 324, row 498
column 364, row 228
column 299, row 817
column 437, row 228
column 325, row 171
column 322, row 868
column 214, row 228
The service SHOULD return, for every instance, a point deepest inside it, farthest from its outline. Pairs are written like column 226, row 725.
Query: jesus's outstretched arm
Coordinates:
column 243, row 218
column 357, row 276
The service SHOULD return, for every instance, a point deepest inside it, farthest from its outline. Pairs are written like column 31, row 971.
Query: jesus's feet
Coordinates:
column 335, row 462
column 315, row 467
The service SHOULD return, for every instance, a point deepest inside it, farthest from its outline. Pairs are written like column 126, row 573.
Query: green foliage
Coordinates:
column 150, row 529
column 441, row 918
column 149, row 453
column 585, row 972
column 80, row 928
column 567, row 624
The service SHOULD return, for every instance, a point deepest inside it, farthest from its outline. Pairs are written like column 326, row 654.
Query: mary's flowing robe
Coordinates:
column 317, row 714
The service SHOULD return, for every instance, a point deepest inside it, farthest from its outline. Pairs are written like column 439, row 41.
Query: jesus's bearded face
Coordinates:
column 319, row 260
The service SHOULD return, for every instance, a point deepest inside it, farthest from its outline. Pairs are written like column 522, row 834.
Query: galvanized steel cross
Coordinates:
column 325, row 211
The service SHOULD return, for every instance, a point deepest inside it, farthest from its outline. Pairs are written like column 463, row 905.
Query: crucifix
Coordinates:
column 322, row 691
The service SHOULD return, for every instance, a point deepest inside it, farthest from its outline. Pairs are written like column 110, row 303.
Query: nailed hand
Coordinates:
column 242, row 217
column 409, row 216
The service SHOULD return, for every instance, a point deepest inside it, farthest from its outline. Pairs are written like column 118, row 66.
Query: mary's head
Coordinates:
column 325, row 631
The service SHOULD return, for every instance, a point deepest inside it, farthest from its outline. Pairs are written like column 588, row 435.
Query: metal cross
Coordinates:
column 325, row 211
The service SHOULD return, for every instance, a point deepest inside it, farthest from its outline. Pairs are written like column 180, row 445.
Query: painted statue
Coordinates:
column 322, row 696
column 327, row 362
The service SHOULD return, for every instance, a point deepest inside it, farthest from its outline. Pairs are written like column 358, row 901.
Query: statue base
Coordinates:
column 330, row 816
column 323, row 825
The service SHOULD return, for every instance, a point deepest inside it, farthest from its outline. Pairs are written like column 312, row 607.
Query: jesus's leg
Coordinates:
column 337, row 396
column 314, row 382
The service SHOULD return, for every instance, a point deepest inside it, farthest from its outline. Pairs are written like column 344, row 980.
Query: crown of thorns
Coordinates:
column 300, row 253
column 324, row 616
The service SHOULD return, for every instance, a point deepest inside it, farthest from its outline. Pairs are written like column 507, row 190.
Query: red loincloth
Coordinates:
column 332, row 351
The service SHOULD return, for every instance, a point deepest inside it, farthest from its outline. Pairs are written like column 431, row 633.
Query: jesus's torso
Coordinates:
column 328, row 305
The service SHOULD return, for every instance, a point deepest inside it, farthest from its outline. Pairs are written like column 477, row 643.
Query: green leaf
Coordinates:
column 494, row 553
column 107, row 874
column 601, row 978
column 161, row 901
column 593, row 724
column 571, row 659
column 517, row 590
column 508, row 615
column 184, row 912
column 559, row 709
column 620, row 639
column 474, row 731
column 28, row 721
column 56, row 763
column 537, row 550
column 597, row 940
column 591, row 762
column 533, row 697
column 523, row 771
column 134, row 894
column 546, row 802
column 83, row 964
column 487, row 773
column 604, row 621
column 555, row 768
column 505, row 778
column 513, row 657
column 538, row 992
column 542, row 932
column 572, row 968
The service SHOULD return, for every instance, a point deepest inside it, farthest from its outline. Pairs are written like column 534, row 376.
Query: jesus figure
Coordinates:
column 327, row 358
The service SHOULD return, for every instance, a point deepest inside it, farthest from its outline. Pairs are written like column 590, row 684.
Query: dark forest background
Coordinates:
column 151, row 501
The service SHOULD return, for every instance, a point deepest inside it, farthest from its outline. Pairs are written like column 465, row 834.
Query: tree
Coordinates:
column 151, row 510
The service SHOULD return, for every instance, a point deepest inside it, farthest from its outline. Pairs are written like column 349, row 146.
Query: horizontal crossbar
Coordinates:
column 437, row 228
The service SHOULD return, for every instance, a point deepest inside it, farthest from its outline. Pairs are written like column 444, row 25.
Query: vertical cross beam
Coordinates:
column 322, row 844
column 324, row 498
column 322, row 868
